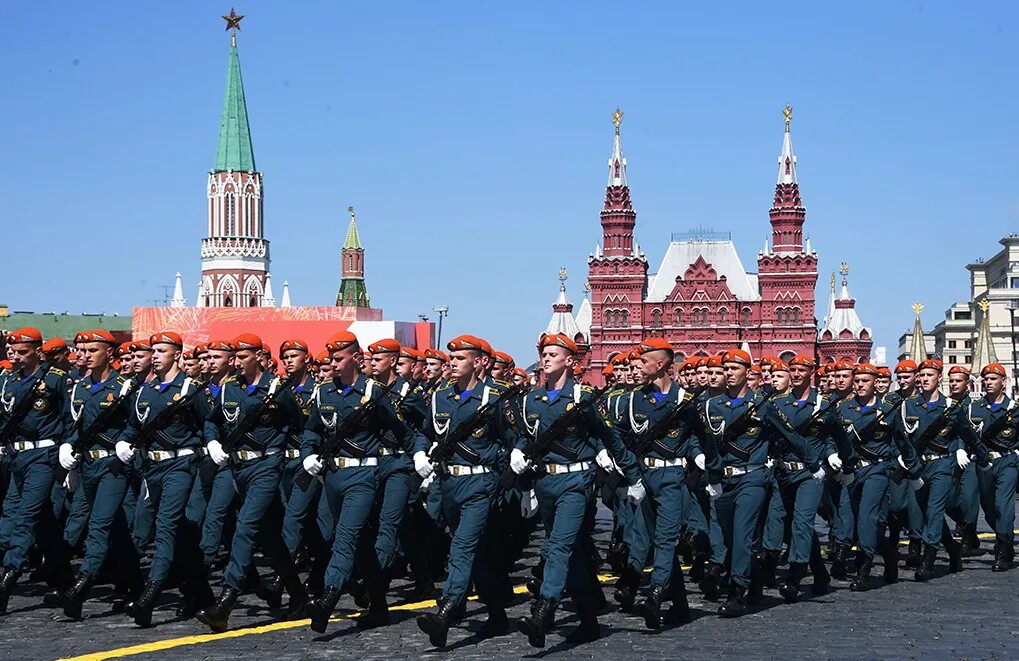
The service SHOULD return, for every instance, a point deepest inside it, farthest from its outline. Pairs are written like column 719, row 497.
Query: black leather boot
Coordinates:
column 971, row 543
column 712, row 577
column 913, row 553
column 217, row 616
column 271, row 592
column 586, row 632
column 436, row 624
column 862, row 581
column 822, row 579
column 790, row 590
column 769, row 566
column 141, row 608
column 497, row 623
column 925, row 571
column 359, row 592
column 679, row 611
column 72, row 599
column 953, row 548
column 651, row 607
column 1001, row 562
column 736, row 604
column 840, row 558
column 626, row 589
column 197, row 595
column 891, row 562
column 378, row 611
column 321, row 609
column 8, row 580
column 537, row 624
column 298, row 597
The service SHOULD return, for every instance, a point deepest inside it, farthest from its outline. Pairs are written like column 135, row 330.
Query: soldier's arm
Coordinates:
column 803, row 447
column 905, row 446
column 311, row 436
column 602, row 428
column 410, row 439
column 966, row 437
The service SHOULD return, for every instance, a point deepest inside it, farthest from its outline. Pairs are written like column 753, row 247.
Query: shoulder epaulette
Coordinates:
column 56, row 371
column 502, row 384
column 230, row 378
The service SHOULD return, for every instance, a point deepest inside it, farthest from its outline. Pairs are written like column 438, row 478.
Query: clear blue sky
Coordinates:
column 473, row 138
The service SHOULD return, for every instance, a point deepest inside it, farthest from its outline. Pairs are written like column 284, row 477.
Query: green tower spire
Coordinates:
column 234, row 151
column 353, row 292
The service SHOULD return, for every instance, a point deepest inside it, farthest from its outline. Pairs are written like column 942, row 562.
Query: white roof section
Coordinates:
column 562, row 320
column 584, row 319
column 787, row 159
column 268, row 300
column 844, row 317
column 722, row 257
column 178, row 294
column 285, row 302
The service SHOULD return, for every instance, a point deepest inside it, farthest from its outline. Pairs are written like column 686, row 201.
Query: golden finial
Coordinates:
column 587, row 288
column 788, row 113
column 917, row 308
column 833, row 281
column 350, row 210
column 617, row 118
column 844, row 269
column 562, row 274
column 985, row 305
column 233, row 22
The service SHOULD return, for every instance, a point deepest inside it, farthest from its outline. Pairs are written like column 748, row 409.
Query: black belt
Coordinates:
column 867, row 454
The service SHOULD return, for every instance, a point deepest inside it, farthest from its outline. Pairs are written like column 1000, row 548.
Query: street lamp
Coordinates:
column 1013, row 307
column 443, row 310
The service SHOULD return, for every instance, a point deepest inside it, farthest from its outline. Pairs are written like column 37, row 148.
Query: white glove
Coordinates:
column 713, row 490
column 528, row 504
column 700, row 461
column 916, row 484
column 834, row 461
column 422, row 465
column 312, row 465
column 818, row 476
column 215, row 449
column 428, row 482
column 518, row 462
column 636, row 492
column 604, row 461
column 66, row 456
column 901, row 462
column 845, row 479
column 962, row 458
column 72, row 481
column 124, row 451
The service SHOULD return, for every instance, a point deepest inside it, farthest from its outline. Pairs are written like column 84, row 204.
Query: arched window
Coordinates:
column 678, row 316
column 746, row 315
column 796, row 315
column 723, row 315
column 228, row 301
column 252, row 301
column 231, row 216
column 656, row 318
column 626, row 319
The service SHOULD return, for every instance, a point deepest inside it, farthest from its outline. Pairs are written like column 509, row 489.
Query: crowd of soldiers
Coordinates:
column 361, row 464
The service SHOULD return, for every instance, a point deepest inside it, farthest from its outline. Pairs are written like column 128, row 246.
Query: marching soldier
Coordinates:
column 964, row 502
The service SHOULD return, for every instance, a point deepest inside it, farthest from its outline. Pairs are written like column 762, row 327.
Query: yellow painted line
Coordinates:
column 171, row 643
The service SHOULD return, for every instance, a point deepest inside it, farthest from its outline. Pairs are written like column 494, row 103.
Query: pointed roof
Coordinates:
column 285, row 301
column 234, row 150
column 917, row 344
column 983, row 351
column 843, row 316
column 268, row 300
column 720, row 254
column 617, row 162
column 830, row 312
column 787, row 159
column 562, row 320
column 353, row 240
column 178, row 294
column 584, row 316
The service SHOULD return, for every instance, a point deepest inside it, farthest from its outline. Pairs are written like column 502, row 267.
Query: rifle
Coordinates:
column 742, row 423
column 88, row 435
column 250, row 420
column 162, row 419
column 340, row 437
column 990, row 432
column 540, row 445
column 936, row 427
column 453, row 441
column 20, row 410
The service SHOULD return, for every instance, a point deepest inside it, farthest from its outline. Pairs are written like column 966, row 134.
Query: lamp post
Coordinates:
column 443, row 310
column 1013, row 307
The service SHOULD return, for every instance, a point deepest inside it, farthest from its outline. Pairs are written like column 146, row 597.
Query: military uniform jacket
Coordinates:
column 749, row 448
column 89, row 400
column 984, row 415
column 184, row 430
column 48, row 416
column 333, row 403
column 881, row 443
column 918, row 416
column 797, row 441
column 304, row 395
column 489, row 444
column 412, row 409
column 238, row 400
column 642, row 411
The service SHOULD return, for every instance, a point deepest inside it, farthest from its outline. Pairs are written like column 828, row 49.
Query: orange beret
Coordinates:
column 656, row 344
column 220, row 345
column 201, row 348
column 53, row 345
column 557, row 340
column 387, row 345
column 712, row 361
column 843, row 366
column 605, row 370
column 884, row 371
column 779, row 366
column 932, row 364
column 502, row 357
column 767, row 360
column 577, row 370
column 265, row 348
column 300, row 345
column 619, row 358
column 865, row 368
column 409, row 352
column 737, row 356
column 26, row 335
column 801, row 359
column 79, row 337
column 341, row 340
column 993, row 368
column 124, row 348
column 166, row 337
column 6, row 365
column 699, row 362
column 97, row 335
column 322, row 357
column 188, row 354
column 756, row 369
column 140, row 345
column 634, row 355
column 959, row 369
column 905, row 366
column 435, row 354
column 462, row 342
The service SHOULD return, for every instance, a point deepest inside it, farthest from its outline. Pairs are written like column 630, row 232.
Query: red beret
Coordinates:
column 124, row 348
column 557, row 340
column 386, row 345
column 993, row 368
column 634, row 355
column 167, row 337
column 865, row 368
column 842, row 366
column 97, row 335
column 884, row 371
column 656, row 344
column 619, row 358
column 519, row 371
column 200, row 349
column 756, row 369
column 322, row 357
column 577, row 370
column 779, row 366
column 932, row 364
column 801, row 359
column 462, row 342
column 713, row 361
column 958, row 369
column 53, row 345
column 502, row 357
column 6, row 365
column 905, row 366
column 219, row 345
column 26, row 335
column 265, row 347
column 700, row 361
column 300, row 345
column 605, row 370
column 768, row 360
column 188, row 354
column 79, row 337
column 140, row 345
column 435, row 354
column 341, row 340
column 409, row 352
column 737, row 356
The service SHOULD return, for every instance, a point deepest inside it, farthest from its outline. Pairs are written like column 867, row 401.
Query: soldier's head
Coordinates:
column 843, row 373
column 801, row 369
column 220, row 358
column 928, row 375
column 992, row 380
column 636, row 371
column 294, row 354
column 905, row 375
column 141, row 355
column 714, row 375
column 558, row 354
column 656, row 356
column 419, row 365
column 405, row 359
column 520, row 377
column 755, row 376
column 98, row 349
column 781, row 377
column 191, row 365
column 864, row 376
column 325, row 366
column 883, row 383
column 167, row 347
column 958, row 381
column 434, row 361
column 248, row 356
column 264, row 357
column 736, row 364
column 502, row 365
column 125, row 356
column 25, row 348
column 345, row 356
column 56, row 352
column 466, row 357
column 384, row 356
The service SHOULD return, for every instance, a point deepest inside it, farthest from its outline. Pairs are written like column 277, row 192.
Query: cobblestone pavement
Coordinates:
column 968, row 615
